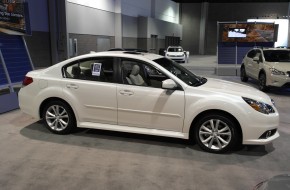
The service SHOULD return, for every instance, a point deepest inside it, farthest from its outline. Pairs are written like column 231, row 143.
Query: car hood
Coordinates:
column 226, row 87
column 281, row 66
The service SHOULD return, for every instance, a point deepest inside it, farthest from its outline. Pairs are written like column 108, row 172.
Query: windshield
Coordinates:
column 175, row 50
column 277, row 55
column 181, row 72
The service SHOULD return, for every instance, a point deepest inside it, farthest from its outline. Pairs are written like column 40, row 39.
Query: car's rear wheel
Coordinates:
column 216, row 133
column 58, row 117
column 243, row 75
column 262, row 82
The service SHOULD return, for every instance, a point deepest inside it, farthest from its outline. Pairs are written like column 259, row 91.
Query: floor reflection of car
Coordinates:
column 271, row 67
column 148, row 94
column 279, row 182
column 175, row 53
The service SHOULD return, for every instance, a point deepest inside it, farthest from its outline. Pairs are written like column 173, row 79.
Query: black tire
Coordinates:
column 262, row 82
column 215, row 140
column 243, row 75
column 59, row 117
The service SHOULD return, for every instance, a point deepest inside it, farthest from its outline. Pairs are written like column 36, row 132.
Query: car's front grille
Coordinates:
column 176, row 55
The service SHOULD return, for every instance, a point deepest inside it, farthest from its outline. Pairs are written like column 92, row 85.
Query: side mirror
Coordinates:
column 257, row 59
column 165, row 51
column 169, row 84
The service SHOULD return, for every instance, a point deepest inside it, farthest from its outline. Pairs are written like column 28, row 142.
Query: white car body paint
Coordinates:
column 151, row 111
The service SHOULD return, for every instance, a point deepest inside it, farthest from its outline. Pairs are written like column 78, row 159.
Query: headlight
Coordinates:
column 276, row 72
column 259, row 106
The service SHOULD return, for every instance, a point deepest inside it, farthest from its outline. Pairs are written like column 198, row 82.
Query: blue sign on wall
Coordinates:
column 16, row 58
column 3, row 79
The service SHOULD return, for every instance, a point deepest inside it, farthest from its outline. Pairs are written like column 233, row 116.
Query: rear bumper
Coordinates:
column 27, row 103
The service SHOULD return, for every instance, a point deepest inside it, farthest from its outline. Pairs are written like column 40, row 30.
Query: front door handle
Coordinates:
column 73, row 86
column 126, row 92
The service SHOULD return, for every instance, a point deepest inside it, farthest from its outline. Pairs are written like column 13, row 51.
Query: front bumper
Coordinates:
column 263, row 129
column 262, row 141
column 279, row 81
column 174, row 58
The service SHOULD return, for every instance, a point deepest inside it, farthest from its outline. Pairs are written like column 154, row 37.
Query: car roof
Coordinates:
column 278, row 49
column 267, row 48
column 125, row 54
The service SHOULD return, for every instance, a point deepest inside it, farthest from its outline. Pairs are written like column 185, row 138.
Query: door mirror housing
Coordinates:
column 169, row 84
column 257, row 59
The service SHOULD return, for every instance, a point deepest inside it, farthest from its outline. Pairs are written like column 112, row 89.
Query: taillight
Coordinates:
column 27, row 81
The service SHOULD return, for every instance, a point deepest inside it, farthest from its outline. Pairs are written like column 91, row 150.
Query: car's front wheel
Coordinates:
column 58, row 117
column 216, row 133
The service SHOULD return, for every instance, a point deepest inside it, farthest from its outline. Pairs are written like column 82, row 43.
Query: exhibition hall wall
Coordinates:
column 222, row 12
column 39, row 42
column 99, row 25
column 117, row 23
column 190, row 20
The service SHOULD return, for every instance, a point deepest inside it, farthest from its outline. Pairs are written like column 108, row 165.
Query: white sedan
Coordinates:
column 148, row 94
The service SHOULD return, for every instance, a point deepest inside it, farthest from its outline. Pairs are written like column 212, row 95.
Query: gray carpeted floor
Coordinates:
column 33, row 158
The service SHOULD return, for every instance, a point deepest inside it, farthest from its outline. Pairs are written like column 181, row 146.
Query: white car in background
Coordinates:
column 175, row 53
column 148, row 94
column 271, row 67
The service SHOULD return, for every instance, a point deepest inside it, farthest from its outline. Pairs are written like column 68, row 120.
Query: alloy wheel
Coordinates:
column 243, row 75
column 262, row 82
column 57, row 118
column 215, row 134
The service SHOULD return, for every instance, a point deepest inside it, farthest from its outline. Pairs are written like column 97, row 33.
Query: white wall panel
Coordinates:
column 130, row 26
column 136, row 8
column 106, row 5
column 167, row 10
column 163, row 28
column 86, row 20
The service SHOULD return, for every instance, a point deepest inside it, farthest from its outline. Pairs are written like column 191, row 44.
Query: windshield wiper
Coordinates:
column 199, row 81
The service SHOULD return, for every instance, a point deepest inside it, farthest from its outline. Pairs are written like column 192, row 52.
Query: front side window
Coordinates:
column 94, row 69
column 181, row 72
column 141, row 74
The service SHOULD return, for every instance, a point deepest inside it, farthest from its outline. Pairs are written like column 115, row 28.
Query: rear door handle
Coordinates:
column 73, row 86
column 126, row 92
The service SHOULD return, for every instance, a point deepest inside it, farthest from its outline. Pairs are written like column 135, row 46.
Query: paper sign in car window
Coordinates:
column 96, row 69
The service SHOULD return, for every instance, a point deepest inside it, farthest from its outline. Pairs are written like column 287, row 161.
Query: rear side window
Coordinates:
column 93, row 69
